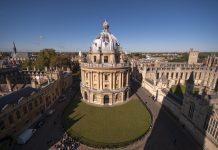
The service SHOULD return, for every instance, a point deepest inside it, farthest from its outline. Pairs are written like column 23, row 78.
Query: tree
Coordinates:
column 46, row 58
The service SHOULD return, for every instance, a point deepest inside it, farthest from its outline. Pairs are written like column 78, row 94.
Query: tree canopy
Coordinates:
column 48, row 58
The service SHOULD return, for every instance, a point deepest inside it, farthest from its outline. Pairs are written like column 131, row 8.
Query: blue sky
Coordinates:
column 139, row 25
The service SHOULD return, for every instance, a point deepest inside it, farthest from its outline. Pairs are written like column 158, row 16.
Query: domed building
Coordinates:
column 104, row 73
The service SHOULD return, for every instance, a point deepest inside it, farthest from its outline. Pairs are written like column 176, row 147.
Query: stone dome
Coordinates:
column 105, row 42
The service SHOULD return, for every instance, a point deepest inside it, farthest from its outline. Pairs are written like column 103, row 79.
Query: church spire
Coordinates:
column 14, row 48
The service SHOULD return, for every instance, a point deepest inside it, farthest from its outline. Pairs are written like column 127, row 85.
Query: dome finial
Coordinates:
column 105, row 26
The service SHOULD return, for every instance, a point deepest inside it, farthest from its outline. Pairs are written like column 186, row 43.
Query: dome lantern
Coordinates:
column 105, row 26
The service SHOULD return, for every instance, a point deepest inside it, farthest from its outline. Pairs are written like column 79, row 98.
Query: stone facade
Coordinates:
column 212, row 61
column 193, row 57
column 179, row 72
column 22, row 108
column 104, row 74
column 200, row 115
column 196, row 111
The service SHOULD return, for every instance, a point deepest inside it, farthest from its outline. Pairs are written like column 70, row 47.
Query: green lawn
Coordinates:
column 107, row 126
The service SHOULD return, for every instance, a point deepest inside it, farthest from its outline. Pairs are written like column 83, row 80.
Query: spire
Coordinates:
column 105, row 26
column 14, row 48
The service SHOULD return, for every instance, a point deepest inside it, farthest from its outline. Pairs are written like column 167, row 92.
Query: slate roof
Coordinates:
column 14, row 97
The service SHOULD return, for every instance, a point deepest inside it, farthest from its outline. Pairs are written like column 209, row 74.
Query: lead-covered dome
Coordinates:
column 105, row 42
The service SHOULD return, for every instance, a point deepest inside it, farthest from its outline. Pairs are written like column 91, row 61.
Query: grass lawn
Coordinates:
column 107, row 126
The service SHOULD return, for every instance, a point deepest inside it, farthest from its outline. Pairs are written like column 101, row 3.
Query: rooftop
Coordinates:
column 14, row 97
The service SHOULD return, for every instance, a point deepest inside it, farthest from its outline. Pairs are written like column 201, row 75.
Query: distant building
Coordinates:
column 20, row 57
column 212, row 61
column 197, row 111
column 104, row 74
column 193, row 57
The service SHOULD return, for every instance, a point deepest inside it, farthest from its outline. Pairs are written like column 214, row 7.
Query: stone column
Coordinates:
column 114, row 80
column 120, row 79
column 100, row 80
column 90, row 81
column 111, row 80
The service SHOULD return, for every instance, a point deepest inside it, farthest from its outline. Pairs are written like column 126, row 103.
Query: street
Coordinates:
column 52, row 130
column 167, row 133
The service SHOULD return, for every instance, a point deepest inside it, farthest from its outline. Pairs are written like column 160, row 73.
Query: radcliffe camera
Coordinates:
column 109, row 75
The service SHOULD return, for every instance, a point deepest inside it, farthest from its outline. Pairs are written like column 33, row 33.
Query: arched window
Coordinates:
column 95, row 59
column 106, row 99
column 85, row 96
column 116, row 97
column 94, row 98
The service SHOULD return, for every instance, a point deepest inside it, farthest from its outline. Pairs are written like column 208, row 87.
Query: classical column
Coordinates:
column 100, row 80
column 90, row 81
column 114, row 80
column 111, row 80
column 120, row 79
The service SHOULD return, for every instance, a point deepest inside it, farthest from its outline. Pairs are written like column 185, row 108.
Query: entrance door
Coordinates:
column 106, row 99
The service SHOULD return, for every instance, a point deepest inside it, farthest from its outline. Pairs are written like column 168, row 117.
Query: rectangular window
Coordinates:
column 30, row 106
column 2, row 125
column 11, row 119
column 18, row 114
column 36, row 103
column 105, row 77
column 105, row 59
column 24, row 110
column 94, row 58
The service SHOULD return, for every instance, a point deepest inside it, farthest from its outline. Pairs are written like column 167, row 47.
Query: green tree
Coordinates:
column 46, row 57
column 26, row 64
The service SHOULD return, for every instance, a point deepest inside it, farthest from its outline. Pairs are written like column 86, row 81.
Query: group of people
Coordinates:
column 67, row 143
